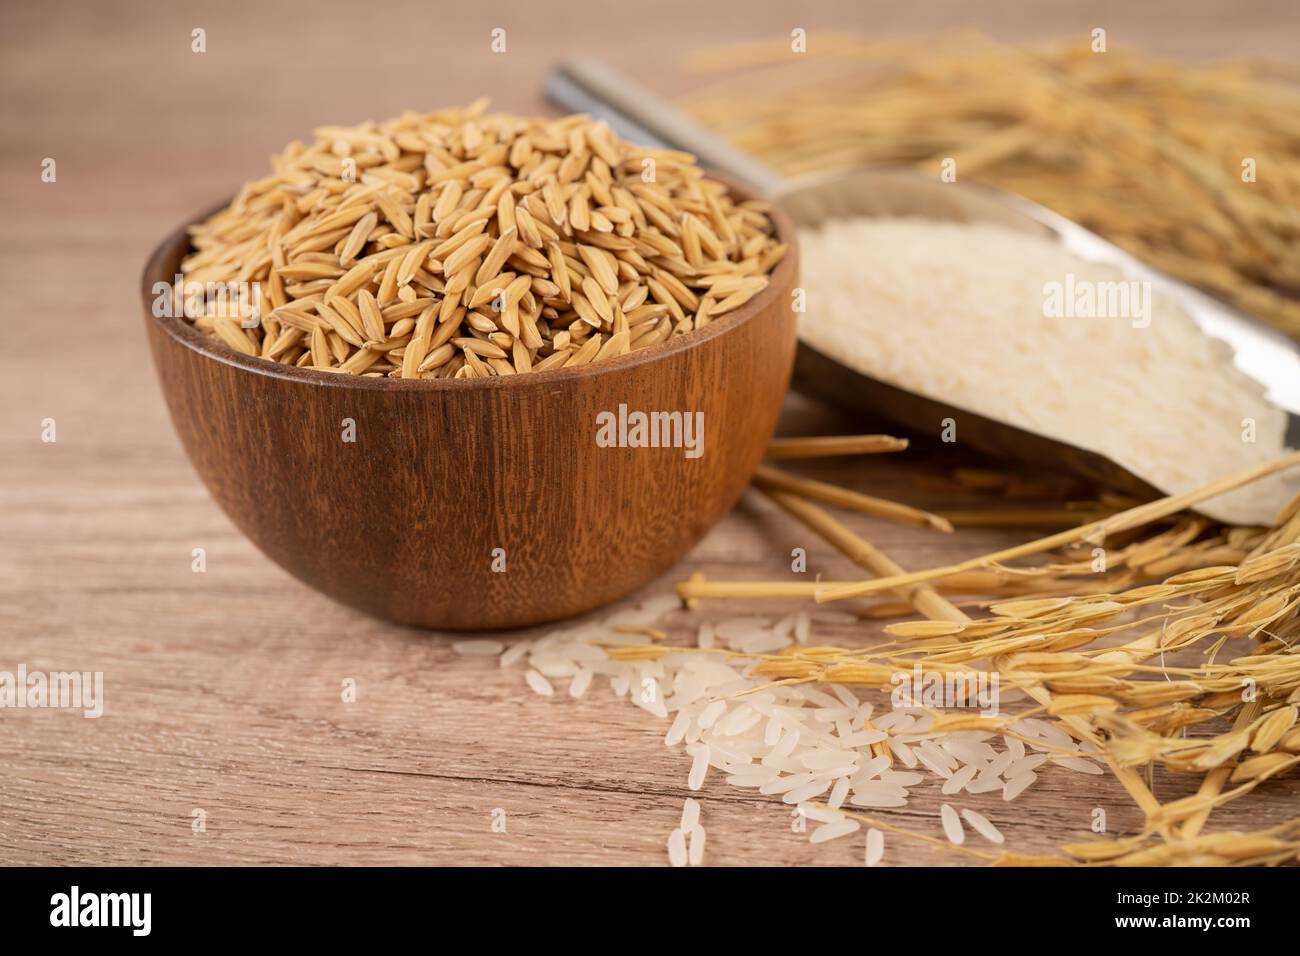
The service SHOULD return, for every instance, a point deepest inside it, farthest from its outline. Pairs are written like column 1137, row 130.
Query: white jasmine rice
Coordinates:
column 1080, row 766
column 690, row 814
column 983, row 826
column 1018, row 785
column 581, row 681
column 875, row 847
column 539, row 684
column 789, row 742
column 695, row 845
column 478, row 648
column 515, row 653
column 956, row 312
column 952, row 825
column 833, row 831
column 677, row 848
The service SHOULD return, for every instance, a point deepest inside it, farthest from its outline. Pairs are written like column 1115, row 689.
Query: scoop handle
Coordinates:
column 587, row 85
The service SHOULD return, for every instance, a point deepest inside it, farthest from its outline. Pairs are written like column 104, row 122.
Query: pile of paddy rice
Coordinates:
column 466, row 244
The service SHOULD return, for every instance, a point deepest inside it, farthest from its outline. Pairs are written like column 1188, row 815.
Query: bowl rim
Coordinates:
column 184, row 333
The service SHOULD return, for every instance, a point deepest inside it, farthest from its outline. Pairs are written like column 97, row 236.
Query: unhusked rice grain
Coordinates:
column 467, row 244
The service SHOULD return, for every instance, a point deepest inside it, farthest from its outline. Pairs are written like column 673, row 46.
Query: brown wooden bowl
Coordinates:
column 404, row 522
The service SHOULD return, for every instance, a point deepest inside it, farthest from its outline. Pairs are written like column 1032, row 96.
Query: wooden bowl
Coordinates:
column 405, row 522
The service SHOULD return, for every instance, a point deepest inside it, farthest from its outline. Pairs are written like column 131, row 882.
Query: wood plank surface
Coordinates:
column 223, row 689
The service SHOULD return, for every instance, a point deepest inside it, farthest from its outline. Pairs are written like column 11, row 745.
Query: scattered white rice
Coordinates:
column 959, row 779
column 1018, row 768
column 983, row 826
column 677, row 848
column 833, row 831
column 538, row 683
column 819, row 814
column 515, row 653
column 478, row 648
column 581, row 681
column 690, row 814
column 957, row 312
column 952, row 825
column 699, row 767
column 1080, row 765
column 985, row 783
column 1018, row 785
column 792, row 741
column 875, row 847
column 696, row 847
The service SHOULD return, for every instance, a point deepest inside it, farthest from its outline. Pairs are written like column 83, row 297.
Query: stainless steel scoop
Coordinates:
column 1261, row 352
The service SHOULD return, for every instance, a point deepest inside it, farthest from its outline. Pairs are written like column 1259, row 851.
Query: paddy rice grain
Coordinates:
column 464, row 244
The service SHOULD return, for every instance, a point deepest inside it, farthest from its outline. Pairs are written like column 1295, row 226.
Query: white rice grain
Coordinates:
column 952, row 825
column 1018, row 785
column 983, row 826
column 581, row 681
column 959, row 779
column 699, row 768
column 478, row 648
column 1080, row 765
column 696, row 850
column 1015, row 746
column 807, row 792
column 690, row 814
column 677, row 848
column 833, row 831
column 875, row 847
column 515, row 653
column 538, row 683
column 838, row 793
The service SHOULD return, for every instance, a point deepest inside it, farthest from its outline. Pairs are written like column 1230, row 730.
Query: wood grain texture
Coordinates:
column 223, row 689
column 482, row 504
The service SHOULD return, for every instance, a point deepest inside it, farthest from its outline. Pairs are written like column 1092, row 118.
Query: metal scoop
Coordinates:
column 1261, row 352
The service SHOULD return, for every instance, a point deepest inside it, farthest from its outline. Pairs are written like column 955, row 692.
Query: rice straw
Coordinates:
column 1094, row 531
column 824, row 446
column 768, row 477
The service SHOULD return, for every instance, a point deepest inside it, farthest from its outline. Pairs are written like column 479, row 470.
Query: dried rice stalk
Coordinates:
column 767, row 477
column 830, row 445
column 1093, row 532
column 1144, row 151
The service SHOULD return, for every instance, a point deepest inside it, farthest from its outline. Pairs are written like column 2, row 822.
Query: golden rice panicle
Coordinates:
column 466, row 244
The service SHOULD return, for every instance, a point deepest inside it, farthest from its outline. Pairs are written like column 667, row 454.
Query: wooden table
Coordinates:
column 223, row 689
